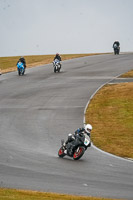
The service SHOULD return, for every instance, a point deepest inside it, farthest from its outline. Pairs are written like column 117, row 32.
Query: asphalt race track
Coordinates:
column 40, row 108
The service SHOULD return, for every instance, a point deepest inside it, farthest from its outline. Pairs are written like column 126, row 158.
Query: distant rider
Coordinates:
column 22, row 59
column 80, row 131
column 58, row 57
column 116, row 44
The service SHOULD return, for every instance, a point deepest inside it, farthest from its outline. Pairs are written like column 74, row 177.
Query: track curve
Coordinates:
column 38, row 110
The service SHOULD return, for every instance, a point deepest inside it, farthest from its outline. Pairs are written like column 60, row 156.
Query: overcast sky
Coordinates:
column 36, row 27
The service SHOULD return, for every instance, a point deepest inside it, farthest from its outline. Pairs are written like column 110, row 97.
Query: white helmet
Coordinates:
column 88, row 128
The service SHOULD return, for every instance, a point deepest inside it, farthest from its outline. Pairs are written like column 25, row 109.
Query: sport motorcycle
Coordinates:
column 116, row 50
column 56, row 65
column 76, row 148
column 20, row 67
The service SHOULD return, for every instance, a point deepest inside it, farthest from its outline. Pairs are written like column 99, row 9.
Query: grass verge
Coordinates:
column 12, row 194
column 127, row 75
column 8, row 64
column 111, row 113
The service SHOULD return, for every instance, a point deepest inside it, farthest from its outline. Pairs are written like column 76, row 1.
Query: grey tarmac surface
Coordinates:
column 41, row 108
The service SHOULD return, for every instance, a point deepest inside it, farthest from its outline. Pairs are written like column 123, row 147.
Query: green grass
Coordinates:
column 12, row 194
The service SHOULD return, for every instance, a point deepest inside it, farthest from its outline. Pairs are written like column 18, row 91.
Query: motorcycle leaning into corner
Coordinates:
column 21, row 69
column 56, row 65
column 75, row 148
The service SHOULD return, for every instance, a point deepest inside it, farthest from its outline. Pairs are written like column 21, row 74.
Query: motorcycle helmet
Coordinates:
column 88, row 128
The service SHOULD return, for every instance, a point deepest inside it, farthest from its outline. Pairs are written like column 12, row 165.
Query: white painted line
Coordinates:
column 125, row 159
column 109, row 154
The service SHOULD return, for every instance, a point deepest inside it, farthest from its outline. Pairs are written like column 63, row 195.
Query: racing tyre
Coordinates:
column 19, row 72
column 54, row 69
column 61, row 153
column 78, row 153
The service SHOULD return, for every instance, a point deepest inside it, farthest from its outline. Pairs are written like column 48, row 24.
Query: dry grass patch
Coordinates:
column 111, row 114
column 8, row 64
column 127, row 75
column 12, row 194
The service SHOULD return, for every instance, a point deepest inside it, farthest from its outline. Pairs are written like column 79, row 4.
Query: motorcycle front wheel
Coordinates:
column 61, row 153
column 19, row 72
column 23, row 71
column 54, row 69
column 78, row 153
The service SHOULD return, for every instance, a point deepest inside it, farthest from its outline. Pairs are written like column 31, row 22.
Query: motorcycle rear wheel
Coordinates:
column 78, row 154
column 61, row 153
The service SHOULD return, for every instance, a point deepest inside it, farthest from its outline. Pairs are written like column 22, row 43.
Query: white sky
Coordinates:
column 35, row 27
